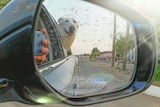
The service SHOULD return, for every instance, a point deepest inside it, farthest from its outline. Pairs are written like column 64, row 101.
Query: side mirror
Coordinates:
column 94, row 56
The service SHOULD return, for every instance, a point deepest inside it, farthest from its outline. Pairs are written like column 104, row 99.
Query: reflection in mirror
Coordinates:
column 101, row 58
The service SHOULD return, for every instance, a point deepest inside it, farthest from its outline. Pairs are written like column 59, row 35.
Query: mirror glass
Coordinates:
column 94, row 52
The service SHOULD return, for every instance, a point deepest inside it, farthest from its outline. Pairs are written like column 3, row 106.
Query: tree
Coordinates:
column 95, row 52
column 124, row 43
column 120, row 45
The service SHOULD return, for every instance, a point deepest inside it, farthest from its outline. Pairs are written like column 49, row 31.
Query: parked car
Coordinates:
column 22, row 80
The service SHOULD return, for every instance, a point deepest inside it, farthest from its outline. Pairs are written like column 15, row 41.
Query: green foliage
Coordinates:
column 3, row 3
column 157, row 75
column 95, row 53
column 120, row 44
column 158, row 33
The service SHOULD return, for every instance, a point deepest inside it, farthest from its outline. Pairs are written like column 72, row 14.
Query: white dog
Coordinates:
column 68, row 28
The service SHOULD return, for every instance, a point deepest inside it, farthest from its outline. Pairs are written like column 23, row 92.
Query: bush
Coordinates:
column 157, row 75
column 3, row 3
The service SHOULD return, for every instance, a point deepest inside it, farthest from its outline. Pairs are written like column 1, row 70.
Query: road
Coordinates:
column 140, row 100
column 129, row 66
column 94, row 77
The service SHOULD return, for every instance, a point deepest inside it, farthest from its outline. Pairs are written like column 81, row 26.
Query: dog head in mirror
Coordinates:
column 68, row 28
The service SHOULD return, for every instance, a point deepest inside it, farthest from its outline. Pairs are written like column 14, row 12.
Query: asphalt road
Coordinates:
column 140, row 100
column 91, row 78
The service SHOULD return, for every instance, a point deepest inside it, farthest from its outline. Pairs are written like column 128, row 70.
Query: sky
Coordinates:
column 95, row 24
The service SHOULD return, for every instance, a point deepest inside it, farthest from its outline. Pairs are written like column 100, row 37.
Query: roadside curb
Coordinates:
column 153, row 91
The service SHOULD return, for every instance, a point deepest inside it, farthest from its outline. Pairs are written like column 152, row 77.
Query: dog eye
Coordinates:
column 74, row 21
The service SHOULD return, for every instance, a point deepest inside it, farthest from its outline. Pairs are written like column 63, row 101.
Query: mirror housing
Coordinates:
column 16, row 40
column 17, row 66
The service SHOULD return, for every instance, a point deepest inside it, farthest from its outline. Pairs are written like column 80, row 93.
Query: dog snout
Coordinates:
column 72, row 29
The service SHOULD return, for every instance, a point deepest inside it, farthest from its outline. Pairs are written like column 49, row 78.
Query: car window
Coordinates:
column 56, row 51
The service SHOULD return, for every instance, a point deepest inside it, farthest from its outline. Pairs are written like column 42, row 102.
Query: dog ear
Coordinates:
column 75, row 23
column 60, row 19
column 74, row 20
